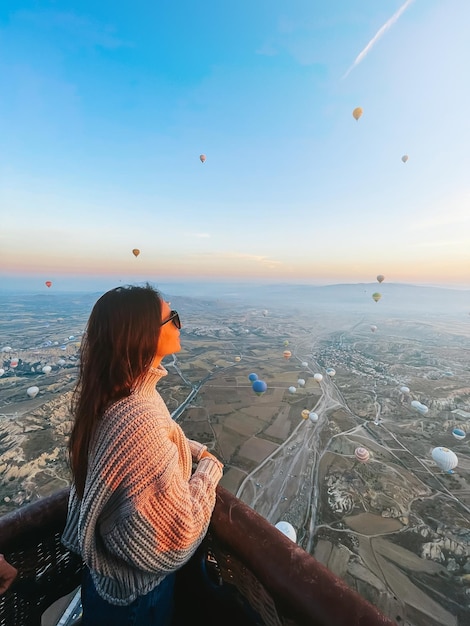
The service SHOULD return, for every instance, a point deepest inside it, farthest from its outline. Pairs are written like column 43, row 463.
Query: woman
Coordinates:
column 136, row 512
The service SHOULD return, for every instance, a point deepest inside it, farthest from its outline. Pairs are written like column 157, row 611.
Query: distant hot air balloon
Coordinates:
column 304, row 364
column 48, row 283
column 458, row 433
column 292, row 389
column 357, row 113
column 46, row 369
column 405, row 389
column 136, row 252
column 330, row 371
column 259, row 387
column 445, row 458
column 305, row 413
column 265, row 312
column 252, row 377
column 318, row 378
column 32, row 391
column 373, row 328
column 376, row 296
column 362, row 454
column 404, row 158
column 288, row 530
column 238, row 359
column 287, row 354
column 286, row 343
column 13, row 362
column 421, row 408
column 313, row 417
column 381, row 278
column 301, row 382
column 202, row 158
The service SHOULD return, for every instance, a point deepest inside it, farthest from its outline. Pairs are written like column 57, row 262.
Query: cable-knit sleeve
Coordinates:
column 167, row 510
column 196, row 449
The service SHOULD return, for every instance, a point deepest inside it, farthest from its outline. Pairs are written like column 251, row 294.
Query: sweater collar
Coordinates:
column 149, row 382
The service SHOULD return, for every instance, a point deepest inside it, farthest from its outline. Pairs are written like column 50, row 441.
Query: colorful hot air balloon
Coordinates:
column 259, row 387
column 136, row 252
column 445, row 458
column 292, row 389
column 32, row 391
column 357, row 113
column 48, row 283
column 252, row 377
column 404, row 158
column 288, row 530
column 13, row 362
column 287, row 354
column 381, row 278
column 318, row 378
column 313, row 417
column 362, row 454
column 202, row 158
column 376, row 296
column 286, row 343
column 305, row 413
column 458, row 433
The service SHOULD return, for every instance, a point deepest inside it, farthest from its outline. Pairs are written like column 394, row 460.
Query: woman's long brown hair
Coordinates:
column 117, row 350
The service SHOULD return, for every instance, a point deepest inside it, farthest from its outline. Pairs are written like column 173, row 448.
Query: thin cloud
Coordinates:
column 378, row 35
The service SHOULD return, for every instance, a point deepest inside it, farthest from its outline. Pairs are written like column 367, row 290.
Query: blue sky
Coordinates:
column 106, row 106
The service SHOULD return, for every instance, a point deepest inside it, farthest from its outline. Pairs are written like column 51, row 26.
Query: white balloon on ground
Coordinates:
column 47, row 369
column 304, row 364
column 288, row 530
column 458, row 433
column 330, row 371
column 373, row 328
column 405, row 389
column 418, row 406
column 444, row 458
column 2, row 371
column 313, row 417
column 32, row 391
column 6, row 349
column 318, row 378
column 292, row 389
column 301, row 382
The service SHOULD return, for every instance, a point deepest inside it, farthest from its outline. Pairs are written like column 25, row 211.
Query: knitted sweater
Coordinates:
column 143, row 513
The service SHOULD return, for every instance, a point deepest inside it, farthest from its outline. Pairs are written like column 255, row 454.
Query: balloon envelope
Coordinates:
column 380, row 278
column 304, row 364
column 445, row 458
column 287, row 354
column 301, row 382
column 376, row 296
column 405, row 389
column 330, row 371
column 2, row 371
column 362, row 454
column 252, row 377
column 202, row 158
column 237, row 359
column 318, row 377
column 312, row 416
column 292, row 389
column 305, row 413
column 357, row 113
column 404, row 158
column 47, row 369
column 373, row 328
column 48, row 283
column 259, row 387
column 458, row 433
column 32, row 391
column 136, row 251
column 288, row 530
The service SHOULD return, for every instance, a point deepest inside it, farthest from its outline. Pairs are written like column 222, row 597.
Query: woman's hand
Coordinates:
column 8, row 574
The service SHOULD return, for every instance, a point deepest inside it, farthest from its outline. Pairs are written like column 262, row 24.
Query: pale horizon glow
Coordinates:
column 105, row 111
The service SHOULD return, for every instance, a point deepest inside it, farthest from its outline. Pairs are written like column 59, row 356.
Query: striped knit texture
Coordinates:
column 143, row 513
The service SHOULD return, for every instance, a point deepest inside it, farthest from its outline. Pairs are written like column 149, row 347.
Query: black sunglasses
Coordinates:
column 175, row 318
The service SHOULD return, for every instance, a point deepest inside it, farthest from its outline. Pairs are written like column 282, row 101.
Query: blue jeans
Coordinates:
column 153, row 609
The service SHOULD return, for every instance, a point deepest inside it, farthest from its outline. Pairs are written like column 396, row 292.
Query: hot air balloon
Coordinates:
column 46, row 369
column 445, row 458
column 202, row 158
column 362, row 454
column 48, row 283
column 287, row 354
column 32, row 391
column 2, row 371
column 318, row 378
column 259, row 387
column 330, row 371
column 373, row 328
column 304, row 364
column 405, row 389
column 305, row 413
column 458, row 433
column 286, row 343
column 252, row 377
column 238, row 359
column 421, row 408
column 61, row 362
column 136, row 252
column 265, row 312
column 13, row 362
column 292, row 389
column 381, row 278
column 357, row 113
column 404, row 158
column 301, row 382
column 376, row 296
column 6, row 349
column 313, row 417
column 288, row 530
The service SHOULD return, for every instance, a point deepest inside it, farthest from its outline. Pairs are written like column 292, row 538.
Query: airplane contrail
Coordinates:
column 382, row 30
